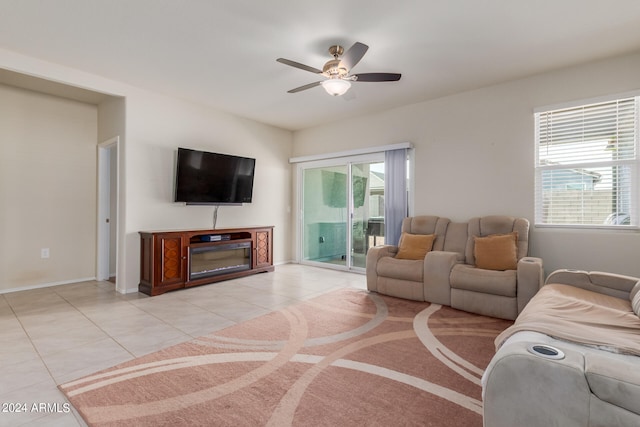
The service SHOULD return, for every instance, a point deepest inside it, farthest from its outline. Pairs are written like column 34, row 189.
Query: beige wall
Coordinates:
column 156, row 127
column 47, row 189
column 151, row 127
column 474, row 155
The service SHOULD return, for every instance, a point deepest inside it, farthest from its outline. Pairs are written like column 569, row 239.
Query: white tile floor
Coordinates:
column 53, row 335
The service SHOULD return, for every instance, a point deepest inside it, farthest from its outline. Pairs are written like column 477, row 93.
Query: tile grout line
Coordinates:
column 137, row 307
column 35, row 348
column 93, row 322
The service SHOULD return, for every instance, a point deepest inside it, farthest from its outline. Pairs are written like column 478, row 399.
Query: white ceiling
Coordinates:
column 223, row 52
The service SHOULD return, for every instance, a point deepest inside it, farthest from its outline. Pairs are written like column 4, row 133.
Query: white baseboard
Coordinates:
column 47, row 285
column 127, row 291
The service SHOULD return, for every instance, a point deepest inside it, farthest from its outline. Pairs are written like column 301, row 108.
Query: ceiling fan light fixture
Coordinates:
column 336, row 87
column 337, row 70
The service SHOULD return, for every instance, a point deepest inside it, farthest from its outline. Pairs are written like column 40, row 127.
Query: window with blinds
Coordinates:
column 587, row 165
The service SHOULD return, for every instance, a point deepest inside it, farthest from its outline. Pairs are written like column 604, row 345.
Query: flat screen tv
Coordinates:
column 204, row 178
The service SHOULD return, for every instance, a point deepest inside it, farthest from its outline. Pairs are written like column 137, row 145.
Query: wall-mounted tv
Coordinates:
column 204, row 178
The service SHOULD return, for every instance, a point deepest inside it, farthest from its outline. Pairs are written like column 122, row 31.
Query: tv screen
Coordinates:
column 204, row 178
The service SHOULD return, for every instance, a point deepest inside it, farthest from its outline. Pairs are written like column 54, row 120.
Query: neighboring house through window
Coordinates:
column 587, row 164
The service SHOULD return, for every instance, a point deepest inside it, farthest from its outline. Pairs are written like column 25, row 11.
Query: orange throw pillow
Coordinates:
column 414, row 246
column 497, row 251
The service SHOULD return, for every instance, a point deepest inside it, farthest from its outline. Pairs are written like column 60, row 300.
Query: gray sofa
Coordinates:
column 448, row 274
column 572, row 358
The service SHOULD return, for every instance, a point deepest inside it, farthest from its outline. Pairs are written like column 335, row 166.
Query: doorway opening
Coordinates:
column 108, row 189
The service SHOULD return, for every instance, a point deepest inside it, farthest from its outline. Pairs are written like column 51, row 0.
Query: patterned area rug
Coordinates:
column 346, row 358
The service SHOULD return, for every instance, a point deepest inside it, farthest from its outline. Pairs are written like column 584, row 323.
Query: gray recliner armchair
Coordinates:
column 497, row 293
column 404, row 278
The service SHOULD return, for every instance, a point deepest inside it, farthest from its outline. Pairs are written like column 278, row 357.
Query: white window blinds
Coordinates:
column 587, row 164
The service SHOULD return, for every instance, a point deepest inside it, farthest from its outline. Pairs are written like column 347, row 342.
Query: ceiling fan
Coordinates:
column 337, row 70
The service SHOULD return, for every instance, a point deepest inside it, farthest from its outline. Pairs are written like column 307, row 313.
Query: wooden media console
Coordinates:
column 178, row 259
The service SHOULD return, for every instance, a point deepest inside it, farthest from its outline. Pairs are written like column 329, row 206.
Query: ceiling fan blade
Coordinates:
column 299, row 65
column 352, row 56
column 305, row 87
column 377, row 77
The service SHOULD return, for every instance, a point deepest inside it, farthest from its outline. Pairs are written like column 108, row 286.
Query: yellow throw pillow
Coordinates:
column 497, row 251
column 414, row 246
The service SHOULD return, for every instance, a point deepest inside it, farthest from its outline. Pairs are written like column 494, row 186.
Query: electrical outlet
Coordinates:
column 44, row 253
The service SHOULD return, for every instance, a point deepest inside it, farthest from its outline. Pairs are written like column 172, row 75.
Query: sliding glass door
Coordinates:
column 367, row 218
column 325, row 214
column 342, row 210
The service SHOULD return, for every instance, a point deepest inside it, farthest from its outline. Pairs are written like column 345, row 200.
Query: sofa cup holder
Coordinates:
column 546, row 351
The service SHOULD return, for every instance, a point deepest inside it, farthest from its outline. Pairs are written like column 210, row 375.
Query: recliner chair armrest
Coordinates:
column 530, row 277
column 523, row 389
column 373, row 256
column 611, row 284
column 437, row 273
